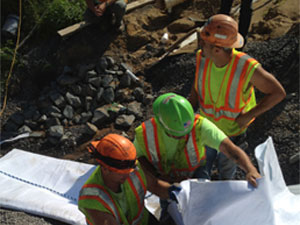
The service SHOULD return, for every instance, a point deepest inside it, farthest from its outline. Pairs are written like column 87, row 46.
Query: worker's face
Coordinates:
column 119, row 177
column 207, row 49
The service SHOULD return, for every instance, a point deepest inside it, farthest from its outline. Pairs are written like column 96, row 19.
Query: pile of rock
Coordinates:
column 91, row 95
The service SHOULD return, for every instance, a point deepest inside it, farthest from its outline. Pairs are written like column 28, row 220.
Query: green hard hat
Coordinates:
column 174, row 113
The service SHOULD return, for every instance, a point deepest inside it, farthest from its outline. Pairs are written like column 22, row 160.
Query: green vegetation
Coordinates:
column 45, row 16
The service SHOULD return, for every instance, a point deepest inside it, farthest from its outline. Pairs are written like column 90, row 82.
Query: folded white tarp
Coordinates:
column 237, row 202
column 42, row 185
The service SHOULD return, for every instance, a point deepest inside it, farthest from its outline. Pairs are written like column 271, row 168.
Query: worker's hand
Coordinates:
column 252, row 176
column 100, row 9
column 244, row 119
column 173, row 192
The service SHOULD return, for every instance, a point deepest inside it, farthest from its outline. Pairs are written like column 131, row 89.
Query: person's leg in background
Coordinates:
column 225, row 7
column 204, row 172
column 245, row 18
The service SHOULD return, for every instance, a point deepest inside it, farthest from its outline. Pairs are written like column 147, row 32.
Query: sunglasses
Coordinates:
column 116, row 163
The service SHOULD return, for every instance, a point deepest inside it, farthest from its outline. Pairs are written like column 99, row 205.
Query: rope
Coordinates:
column 14, row 58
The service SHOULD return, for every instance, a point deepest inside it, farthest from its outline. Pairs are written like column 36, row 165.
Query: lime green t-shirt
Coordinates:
column 210, row 136
column 215, row 84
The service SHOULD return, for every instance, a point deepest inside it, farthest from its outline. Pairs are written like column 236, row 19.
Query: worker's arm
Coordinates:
column 273, row 90
column 148, row 167
column 101, row 218
column 240, row 157
column 157, row 186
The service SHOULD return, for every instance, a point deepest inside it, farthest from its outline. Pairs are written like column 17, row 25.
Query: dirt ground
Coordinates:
column 273, row 40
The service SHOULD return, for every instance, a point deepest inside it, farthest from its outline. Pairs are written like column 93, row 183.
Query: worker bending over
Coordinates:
column 224, row 86
column 171, row 145
column 114, row 193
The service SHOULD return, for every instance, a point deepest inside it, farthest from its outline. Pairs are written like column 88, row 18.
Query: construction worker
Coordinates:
column 112, row 10
column 171, row 145
column 114, row 193
column 224, row 86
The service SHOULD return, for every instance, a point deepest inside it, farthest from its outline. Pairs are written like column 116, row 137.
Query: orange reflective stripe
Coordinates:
column 221, row 108
column 194, row 137
column 146, row 142
column 198, row 58
column 141, row 181
column 191, row 152
column 240, row 87
column 156, row 143
column 204, row 78
column 187, row 156
column 217, row 119
column 138, row 197
column 233, row 69
column 101, row 200
column 97, row 198
column 88, row 221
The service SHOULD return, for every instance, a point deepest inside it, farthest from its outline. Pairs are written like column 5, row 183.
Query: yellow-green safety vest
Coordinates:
column 232, row 99
column 186, row 161
column 134, row 191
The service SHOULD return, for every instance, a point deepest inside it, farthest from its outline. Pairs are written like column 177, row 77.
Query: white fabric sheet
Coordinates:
column 42, row 185
column 49, row 187
column 237, row 202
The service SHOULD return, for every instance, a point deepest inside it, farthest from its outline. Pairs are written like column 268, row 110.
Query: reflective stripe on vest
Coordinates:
column 151, row 139
column 98, row 193
column 231, row 107
column 191, row 149
column 139, row 189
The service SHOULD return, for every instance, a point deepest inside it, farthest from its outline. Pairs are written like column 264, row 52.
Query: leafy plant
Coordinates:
column 60, row 14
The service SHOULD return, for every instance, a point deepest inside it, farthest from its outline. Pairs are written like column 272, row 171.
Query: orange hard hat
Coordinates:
column 114, row 152
column 222, row 30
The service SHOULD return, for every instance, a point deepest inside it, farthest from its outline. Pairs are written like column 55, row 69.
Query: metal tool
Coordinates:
column 128, row 71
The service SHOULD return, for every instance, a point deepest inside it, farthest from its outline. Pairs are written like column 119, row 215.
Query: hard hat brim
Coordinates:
column 237, row 44
column 93, row 147
column 120, row 171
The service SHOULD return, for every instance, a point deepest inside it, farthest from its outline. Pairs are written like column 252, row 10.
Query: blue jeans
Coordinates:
column 226, row 167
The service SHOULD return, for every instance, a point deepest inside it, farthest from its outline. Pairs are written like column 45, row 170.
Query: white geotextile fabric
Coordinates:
column 42, row 185
column 49, row 187
column 237, row 202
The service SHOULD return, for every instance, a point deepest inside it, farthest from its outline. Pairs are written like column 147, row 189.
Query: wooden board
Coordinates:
column 69, row 30
column 78, row 26
column 134, row 5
